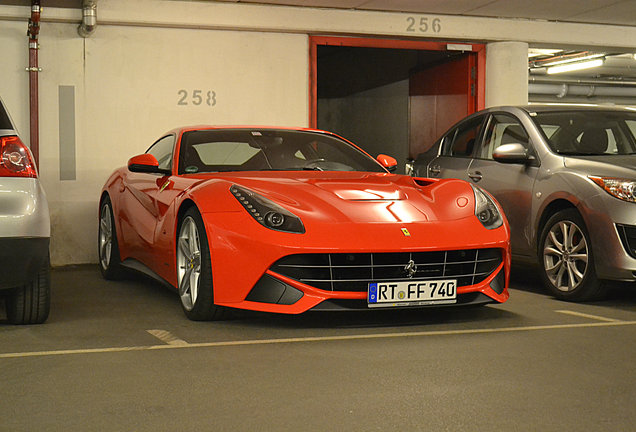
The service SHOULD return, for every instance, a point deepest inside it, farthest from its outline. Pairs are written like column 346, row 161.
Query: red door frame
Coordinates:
column 476, row 102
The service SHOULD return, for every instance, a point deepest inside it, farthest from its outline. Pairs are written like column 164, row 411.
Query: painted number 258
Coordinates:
column 423, row 25
column 197, row 97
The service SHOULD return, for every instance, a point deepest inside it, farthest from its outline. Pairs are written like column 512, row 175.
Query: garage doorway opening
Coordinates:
column 392, row 96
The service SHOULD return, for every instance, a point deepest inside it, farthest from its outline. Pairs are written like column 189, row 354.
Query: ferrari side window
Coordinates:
column 461, row 140
column 162, row 150
column 502, row 129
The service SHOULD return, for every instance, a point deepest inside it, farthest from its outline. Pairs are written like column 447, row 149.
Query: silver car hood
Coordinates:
column 610, row 165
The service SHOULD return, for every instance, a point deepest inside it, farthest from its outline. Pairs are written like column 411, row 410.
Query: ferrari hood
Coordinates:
column 357, row 191
column 364, row 197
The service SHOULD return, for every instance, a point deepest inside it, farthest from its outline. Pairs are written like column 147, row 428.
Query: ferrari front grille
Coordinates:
column 354, row 272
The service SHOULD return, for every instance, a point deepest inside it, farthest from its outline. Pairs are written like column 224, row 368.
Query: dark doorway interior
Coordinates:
column 380, row 98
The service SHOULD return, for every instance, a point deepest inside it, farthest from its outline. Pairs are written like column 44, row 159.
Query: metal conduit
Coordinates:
column 89, row 18
column 589, row 90
column 34, row 69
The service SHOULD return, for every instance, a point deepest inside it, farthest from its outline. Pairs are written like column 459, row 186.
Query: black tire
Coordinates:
column 31, row 303
column 107, row 245
column 194, row 269
column 566, row 258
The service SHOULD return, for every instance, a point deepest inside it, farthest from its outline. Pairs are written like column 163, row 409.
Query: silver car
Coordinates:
column 24, row 231
column 566, row 179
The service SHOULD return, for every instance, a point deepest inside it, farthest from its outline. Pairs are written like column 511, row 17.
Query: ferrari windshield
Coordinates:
column 586, row 133
column 268, row 149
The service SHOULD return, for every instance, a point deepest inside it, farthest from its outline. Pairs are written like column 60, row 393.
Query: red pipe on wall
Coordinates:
column 32, row 32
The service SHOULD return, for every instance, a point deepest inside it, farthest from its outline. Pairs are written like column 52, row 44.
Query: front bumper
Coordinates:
column 611, row 223
column 245, row 275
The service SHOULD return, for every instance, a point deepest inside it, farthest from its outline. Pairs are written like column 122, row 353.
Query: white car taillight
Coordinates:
column 15, row 158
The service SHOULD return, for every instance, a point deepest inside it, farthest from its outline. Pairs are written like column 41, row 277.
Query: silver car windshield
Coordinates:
column 587, row 133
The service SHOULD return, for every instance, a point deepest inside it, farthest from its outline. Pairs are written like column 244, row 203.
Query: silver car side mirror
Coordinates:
column 512, row 153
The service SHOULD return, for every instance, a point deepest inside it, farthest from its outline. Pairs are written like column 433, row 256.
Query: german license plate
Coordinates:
column 412, row 293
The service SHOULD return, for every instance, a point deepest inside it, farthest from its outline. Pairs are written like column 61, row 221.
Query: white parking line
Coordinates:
column 320, row 339
column 584, row 315
column 167, row 337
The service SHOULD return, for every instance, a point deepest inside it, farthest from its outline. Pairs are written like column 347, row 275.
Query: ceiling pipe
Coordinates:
column 89, row 18
column 541, row 79
column 562, row 90
column 33, row 69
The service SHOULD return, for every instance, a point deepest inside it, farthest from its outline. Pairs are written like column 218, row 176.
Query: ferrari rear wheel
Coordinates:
column 108, row 248
column 194, row 269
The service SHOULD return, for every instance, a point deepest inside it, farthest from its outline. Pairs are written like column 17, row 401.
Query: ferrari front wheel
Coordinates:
column 194, row 269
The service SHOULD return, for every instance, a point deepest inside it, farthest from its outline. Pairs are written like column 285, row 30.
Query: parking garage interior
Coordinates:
column 391, row 76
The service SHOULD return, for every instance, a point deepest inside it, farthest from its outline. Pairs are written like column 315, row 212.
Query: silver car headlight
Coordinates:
column 486, row 210
column 623, row 189
column 267, row 213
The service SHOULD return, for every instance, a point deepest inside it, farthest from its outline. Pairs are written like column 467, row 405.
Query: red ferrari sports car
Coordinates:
column 292, row 220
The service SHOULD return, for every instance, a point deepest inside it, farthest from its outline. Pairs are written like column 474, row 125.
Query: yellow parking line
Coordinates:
column 584, row 315
column 167, row 337
column 320, row 339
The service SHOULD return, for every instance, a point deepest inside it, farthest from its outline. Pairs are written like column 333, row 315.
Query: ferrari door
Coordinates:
column 510, row 183
column 140, row 201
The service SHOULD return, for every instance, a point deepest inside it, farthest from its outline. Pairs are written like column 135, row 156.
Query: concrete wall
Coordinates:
column 131, row 84
column 376, row 120
column 506, row 73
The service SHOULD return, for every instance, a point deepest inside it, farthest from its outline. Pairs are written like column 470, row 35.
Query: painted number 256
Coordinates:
column 197, row 97
column 423, row 25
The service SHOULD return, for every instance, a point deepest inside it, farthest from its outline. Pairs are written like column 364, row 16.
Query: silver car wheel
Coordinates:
column 105, row 236
column 565, row 255
column 188, row 263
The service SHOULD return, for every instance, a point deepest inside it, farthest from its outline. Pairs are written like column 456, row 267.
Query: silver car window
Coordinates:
column 5, row 121
column 583, row 133
column 631, row 125
column 461, row 140
column 502, row 129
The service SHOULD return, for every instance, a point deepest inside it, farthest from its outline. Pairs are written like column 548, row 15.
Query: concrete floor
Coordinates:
column 121, row 356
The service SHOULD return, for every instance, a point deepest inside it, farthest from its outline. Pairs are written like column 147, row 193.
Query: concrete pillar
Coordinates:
column 506, row 73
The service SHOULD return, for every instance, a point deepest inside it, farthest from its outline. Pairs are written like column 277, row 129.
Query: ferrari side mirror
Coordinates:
column 146, row 163
column 387, row 162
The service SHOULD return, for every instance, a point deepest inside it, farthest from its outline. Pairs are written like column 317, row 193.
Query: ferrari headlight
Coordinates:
column 622, row 189
column 267, row 213
column 486, row 210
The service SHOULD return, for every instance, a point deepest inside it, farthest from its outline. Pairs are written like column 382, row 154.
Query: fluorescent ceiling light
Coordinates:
column 573, row 59
column 575, row 66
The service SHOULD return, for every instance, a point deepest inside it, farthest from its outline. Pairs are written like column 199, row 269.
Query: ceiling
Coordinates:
column 618, row 12
column 621, row 12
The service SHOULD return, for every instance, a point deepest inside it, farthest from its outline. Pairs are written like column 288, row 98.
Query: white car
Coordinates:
column 25, row 231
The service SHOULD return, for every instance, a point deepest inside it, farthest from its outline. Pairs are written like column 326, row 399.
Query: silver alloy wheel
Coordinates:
column 565, row 255
column 105, row 236
column 188, row 263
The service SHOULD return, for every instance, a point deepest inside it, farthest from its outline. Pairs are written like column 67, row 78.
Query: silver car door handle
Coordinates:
column 436, row 169
column 476, row 176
